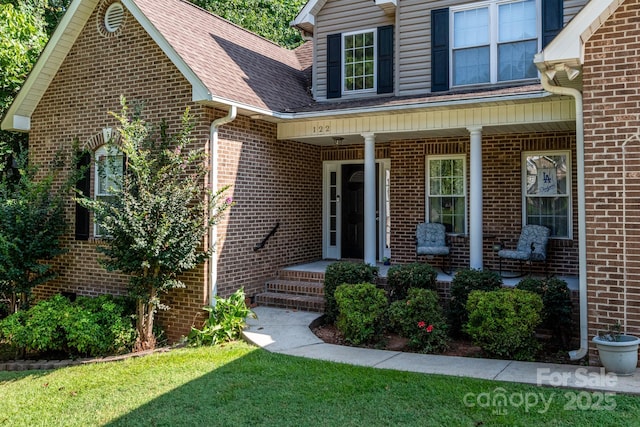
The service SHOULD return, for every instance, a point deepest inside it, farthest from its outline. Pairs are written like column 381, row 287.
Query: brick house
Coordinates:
column 418, row 111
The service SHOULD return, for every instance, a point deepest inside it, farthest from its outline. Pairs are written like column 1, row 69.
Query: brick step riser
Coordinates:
column 301, row 276
column 296, row 288
column 292, row 302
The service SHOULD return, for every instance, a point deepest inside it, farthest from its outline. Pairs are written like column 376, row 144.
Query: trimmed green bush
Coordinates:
column 557, row 306
column 340, row 273
column 419, row 318
column 463, row 283
column 87, row 327
column 362, row 308
column 503, row 322
column 416, row 275
column 226, row 321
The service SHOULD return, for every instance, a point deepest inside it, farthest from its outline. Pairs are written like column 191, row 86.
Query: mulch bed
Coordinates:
column 463, row 348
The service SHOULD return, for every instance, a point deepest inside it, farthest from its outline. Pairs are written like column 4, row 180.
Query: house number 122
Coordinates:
column 321, row 129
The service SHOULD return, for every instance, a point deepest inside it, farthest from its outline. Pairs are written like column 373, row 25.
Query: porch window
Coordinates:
column 446, row 192
column 547, row 191
column 109, row 169
column 494, row 42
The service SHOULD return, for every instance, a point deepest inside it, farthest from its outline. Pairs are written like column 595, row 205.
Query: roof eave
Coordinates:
column 568, row 46
column 56, row 51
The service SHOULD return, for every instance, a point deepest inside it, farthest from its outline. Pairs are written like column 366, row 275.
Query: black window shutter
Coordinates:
column 385, row 59
column 334, row 65
column 552, row 20
column 84, row 186
column 439, row 50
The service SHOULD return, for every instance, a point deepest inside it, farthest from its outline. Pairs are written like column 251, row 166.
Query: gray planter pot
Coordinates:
column 619, row 357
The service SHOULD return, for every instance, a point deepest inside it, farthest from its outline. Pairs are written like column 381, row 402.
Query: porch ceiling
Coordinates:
column 540, row 115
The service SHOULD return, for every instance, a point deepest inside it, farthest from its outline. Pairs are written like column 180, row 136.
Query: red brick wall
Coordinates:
column 272, row 180
column 612, row 115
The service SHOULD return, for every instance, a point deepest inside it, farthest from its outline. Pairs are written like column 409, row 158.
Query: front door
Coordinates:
column 343, row 212
column 353, row 211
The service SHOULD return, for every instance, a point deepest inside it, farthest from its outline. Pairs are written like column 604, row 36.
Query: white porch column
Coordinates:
column 369, row 198
column 475, row 204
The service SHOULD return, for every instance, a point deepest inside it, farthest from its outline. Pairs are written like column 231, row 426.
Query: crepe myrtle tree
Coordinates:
column 156, row 216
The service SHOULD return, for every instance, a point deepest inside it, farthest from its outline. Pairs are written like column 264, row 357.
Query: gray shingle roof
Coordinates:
column 233, row 63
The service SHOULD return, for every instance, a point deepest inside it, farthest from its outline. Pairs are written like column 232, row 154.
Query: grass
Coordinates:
column 239, row 385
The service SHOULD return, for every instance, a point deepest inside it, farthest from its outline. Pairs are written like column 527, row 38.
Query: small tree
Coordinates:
column 31, row 224
column 157, row 216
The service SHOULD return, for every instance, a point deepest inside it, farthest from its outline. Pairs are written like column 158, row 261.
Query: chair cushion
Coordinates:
column 432, row 250
column 513, row 254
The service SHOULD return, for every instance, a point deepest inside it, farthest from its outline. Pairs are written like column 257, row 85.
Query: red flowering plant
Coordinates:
column 419, row 318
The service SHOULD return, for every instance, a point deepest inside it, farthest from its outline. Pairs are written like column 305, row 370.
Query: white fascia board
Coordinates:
column 47, row 64
column 380, row 109
column 306, row 17
column 21, row 123
column 199, row 91
column 568, row 45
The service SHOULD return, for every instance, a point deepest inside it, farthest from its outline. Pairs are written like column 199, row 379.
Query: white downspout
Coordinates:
column 582, row 229
column 213, row 180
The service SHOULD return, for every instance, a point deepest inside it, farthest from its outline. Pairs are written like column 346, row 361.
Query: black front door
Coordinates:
column 353, row 211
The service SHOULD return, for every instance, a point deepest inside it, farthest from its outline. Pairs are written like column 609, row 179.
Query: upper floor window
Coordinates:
column 446, row 193
column 494, row 41
column 360, row 62
column 359, row 69
column 547, row 191
column 109, row 169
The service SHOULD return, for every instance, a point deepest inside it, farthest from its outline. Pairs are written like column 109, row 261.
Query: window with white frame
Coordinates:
column 547, row 191
column 494, row 41
column 109, row 169
column 446, row 192
column 359, row 61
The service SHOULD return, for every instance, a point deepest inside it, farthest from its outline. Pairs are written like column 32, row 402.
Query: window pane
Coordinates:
column 471, row 66
column 515, row 60
column 471, row 28
column 109, row 173
column 359, row 62
column 550, row 212
column 547, row 175
column 517, row 21
column 446, row 194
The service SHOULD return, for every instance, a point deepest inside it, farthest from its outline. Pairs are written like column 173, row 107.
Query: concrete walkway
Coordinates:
column 287, row 332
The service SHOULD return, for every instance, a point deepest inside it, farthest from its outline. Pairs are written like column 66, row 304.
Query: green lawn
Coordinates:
column 239, row 385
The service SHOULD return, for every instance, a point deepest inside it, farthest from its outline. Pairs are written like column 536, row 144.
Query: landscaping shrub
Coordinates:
column 557, row 306
column 340, row 273
column 417, row 275
column 419, row 318
column 89, row 327
column 503, row 322
column 362, row 308
column 463, row 283
column 226, row 321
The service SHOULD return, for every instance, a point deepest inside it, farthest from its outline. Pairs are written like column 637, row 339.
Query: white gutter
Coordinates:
column 582, row 230
column 213, row 180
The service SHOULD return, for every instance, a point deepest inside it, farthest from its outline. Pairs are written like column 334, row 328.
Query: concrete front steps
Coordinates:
column 295, row 290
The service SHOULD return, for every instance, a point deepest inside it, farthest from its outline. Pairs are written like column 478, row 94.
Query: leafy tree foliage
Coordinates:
column 156, row 216
column 31, row 224
column 268, row 18
column 22, row 38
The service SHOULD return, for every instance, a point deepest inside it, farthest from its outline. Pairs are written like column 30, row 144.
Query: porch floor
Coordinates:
column 320, row 266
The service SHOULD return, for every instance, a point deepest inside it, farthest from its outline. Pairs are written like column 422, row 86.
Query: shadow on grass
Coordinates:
column 269, row 389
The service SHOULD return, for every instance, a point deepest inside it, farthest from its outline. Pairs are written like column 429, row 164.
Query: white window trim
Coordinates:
column 569, row 195
column 427, row 190
column 493, row 38
column 375, row 62
column 108, row 151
